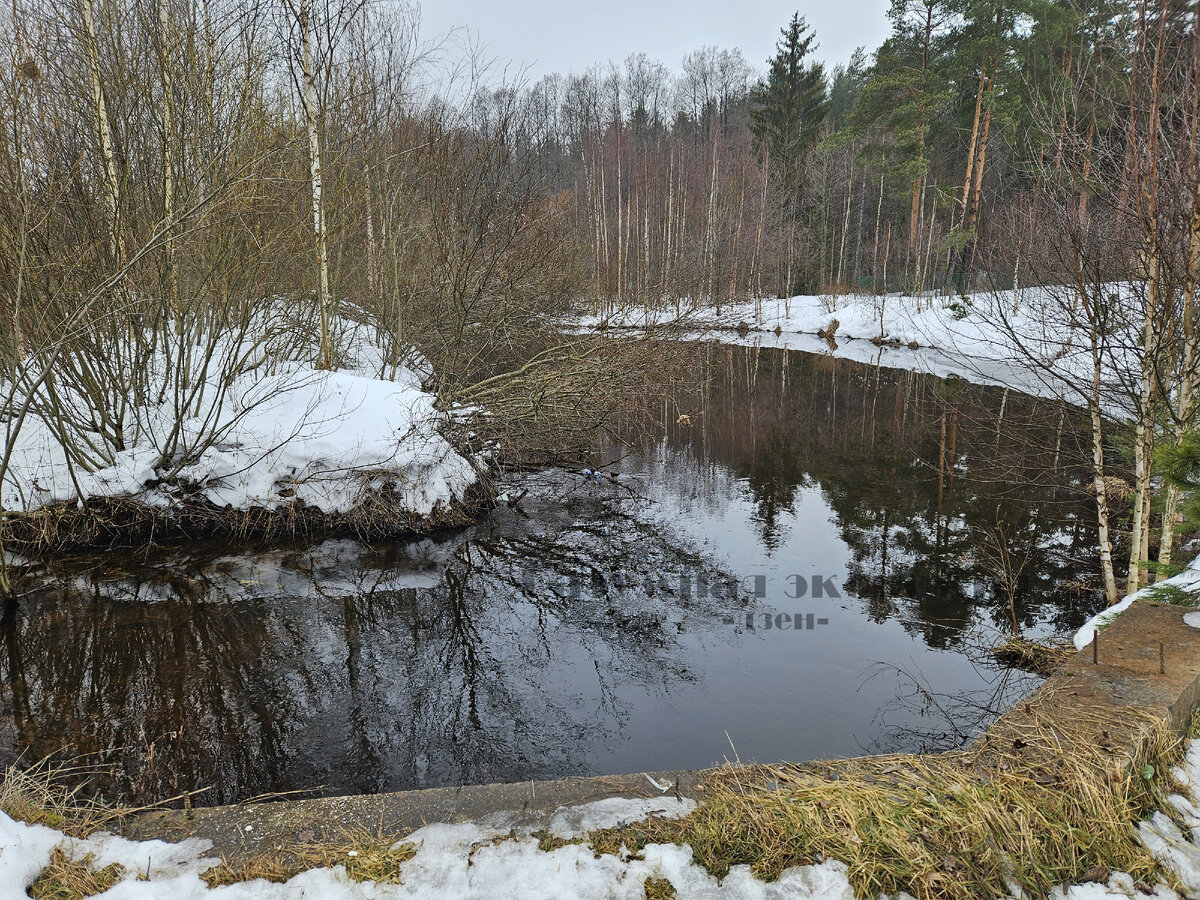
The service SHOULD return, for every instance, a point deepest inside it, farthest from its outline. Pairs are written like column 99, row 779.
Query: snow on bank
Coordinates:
column 277, row 433
column 492, row 858
column 469, row 860
column 1017, row 339
column 1187, row 580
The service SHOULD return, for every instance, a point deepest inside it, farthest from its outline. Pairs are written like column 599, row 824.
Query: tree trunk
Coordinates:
column 311, row 119
column 168, row 150
column 108, row 157
column 1103, row 536
column 1191, row 286
column 967, row 179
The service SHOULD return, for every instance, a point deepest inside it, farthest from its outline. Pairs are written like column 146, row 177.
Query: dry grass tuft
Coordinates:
column 658, row 889
column 67, row 879
column 51, row 794
column 549, row 842
column 366, row 856
column 962, row 825
column 1032, row 656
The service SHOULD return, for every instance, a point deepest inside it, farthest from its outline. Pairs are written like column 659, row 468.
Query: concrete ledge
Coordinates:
column 1142, row 671
column 1115, row 700
column 246, row 830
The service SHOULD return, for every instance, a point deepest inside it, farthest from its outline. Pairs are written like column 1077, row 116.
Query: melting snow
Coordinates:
column 1019, row 340
column 495, row 859
column 283, row 432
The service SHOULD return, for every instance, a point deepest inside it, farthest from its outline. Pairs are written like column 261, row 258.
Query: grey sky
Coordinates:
column 566, row 35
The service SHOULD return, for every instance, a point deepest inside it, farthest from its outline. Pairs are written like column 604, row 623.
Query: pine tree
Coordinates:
column 906, row 100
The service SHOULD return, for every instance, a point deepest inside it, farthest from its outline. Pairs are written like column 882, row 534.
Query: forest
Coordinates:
column 327, row 147
column 377, row 417
column 191, row 190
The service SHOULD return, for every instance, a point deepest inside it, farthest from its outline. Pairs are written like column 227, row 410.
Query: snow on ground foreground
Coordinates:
column 491, row 859
column 452, row 861
column 277, row 433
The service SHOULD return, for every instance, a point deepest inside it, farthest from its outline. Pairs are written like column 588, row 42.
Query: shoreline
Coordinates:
column 111, row 523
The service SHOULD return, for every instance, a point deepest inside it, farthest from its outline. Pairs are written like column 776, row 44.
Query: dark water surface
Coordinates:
column 593, row 629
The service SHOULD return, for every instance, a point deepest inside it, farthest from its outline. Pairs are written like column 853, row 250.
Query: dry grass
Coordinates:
column 548, row 841
column 1032, row 656
column 366, row 856
column 67, row 879
column 54, row 795
column 658, row 889
column 962, row 825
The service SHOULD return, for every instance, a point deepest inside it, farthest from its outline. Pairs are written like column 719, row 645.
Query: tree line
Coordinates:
column 193, row 188
column 911, row 168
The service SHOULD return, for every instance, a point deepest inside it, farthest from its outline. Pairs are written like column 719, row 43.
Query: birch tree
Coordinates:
column 305, row 72
column 104, row 136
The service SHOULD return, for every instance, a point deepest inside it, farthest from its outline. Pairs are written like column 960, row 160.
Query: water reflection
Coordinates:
column 359, row 669
column 917, row 477
column 557, row 638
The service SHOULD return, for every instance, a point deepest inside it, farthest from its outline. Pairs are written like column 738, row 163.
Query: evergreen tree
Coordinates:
column 844, row 87
column 903, row 107
column 789, row 108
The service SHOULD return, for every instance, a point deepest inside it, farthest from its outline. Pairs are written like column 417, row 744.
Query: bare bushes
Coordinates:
column 184, row 228
column 477, row 266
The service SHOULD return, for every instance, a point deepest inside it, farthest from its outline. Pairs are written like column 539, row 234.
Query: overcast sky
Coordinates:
column 566, row 35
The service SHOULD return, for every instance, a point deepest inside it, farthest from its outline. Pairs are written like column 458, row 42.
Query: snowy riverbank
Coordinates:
column 1025, row 340
column 277, row 436
column 492, row 858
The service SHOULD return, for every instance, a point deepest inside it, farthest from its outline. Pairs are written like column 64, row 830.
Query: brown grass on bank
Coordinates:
column 105, row 522
column 366, row 856
column 1032, row 656
column 67, row 879
column 963, row 825
column 51, row 794
column 56, row 795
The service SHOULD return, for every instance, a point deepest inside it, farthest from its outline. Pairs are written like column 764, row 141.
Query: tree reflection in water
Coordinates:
column 556, row 639
column 352, row 668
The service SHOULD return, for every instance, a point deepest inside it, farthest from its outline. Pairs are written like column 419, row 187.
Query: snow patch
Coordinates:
column 1020, row 339
column 24, row 852
column 279, row 433
column 468, row 860
column 575, row 821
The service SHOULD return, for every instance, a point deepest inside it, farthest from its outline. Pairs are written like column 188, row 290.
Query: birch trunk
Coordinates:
column 1103, row 536
column 168, row 151
column 1191, row 286
column 108, row 157
column 311, row 120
